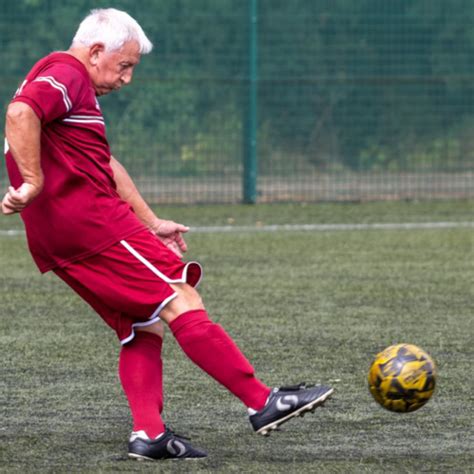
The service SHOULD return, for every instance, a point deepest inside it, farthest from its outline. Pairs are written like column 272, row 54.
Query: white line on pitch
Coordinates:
column 332, row 227
column 306, row 227
column 11, row 232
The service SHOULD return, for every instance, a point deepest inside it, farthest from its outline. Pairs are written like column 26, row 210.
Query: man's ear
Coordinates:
column 95, row 52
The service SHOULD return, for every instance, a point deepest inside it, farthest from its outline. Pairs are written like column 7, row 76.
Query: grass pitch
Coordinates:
column 303, row 306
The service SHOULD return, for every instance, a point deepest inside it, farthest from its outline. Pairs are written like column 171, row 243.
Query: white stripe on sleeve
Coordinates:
column 60, row 87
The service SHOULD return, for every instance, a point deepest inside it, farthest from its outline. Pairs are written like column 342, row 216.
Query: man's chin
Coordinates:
column 106, row 90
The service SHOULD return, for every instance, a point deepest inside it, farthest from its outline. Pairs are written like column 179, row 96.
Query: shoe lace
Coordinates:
column 289, row 388
column 171, row 431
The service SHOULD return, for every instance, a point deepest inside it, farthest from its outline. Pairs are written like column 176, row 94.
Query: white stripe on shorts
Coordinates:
column 149, row 265
column 155, row 316
column 153, row 319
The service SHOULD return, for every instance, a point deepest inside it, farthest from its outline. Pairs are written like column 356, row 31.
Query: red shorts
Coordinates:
column 128, row 284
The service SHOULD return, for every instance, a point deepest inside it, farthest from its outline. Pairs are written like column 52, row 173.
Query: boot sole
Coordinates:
column 141, row 458
column 310, row 407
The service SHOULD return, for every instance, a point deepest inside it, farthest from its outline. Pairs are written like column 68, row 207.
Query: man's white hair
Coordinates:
column 113, row 28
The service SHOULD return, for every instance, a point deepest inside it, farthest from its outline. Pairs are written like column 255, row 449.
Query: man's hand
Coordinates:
column 15, row 200
column 170, row 233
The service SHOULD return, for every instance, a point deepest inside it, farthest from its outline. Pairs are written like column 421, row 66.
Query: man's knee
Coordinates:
column 155, row 328
column 188, row 299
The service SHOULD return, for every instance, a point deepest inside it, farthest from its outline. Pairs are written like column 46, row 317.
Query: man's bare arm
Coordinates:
column 168, row 231
column 23, row 134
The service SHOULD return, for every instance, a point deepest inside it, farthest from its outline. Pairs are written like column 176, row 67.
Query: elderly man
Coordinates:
column 86, row 221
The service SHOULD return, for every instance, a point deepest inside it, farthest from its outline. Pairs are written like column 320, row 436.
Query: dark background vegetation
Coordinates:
column 344, row 88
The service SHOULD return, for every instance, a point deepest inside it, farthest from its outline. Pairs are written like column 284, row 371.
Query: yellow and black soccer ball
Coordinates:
column 402, row 378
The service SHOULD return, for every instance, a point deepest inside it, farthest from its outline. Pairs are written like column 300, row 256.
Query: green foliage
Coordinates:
column 366, row 85
column 453, row 152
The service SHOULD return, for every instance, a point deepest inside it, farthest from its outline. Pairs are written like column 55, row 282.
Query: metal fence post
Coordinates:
column 250, row 117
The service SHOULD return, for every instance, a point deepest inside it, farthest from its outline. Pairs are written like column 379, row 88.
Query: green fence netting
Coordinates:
column 271, row 100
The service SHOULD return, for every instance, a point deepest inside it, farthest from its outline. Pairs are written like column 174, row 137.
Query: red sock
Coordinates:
column 140, row 371
column 212, row 349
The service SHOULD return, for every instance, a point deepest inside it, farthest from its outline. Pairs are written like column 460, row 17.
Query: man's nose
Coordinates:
column 127, row 77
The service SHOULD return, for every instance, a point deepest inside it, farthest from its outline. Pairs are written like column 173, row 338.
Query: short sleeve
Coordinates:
column 53, row 92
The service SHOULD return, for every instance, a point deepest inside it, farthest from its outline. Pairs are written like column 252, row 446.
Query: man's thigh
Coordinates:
column 131, row 282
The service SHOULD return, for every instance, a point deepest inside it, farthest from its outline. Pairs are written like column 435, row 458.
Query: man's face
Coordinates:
column 111, row 70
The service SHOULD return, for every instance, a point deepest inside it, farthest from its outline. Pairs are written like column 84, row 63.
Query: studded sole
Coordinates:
column 140, row 458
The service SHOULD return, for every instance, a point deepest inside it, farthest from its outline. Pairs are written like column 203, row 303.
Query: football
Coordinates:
column 402, row 378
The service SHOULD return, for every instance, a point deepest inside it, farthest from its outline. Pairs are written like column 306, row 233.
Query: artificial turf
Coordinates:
column 303, row 306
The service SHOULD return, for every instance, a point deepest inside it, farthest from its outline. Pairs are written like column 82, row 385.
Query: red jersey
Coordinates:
column 79, row 212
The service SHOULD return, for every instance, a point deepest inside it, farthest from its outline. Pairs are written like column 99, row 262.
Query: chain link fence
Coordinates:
column 270, row 100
